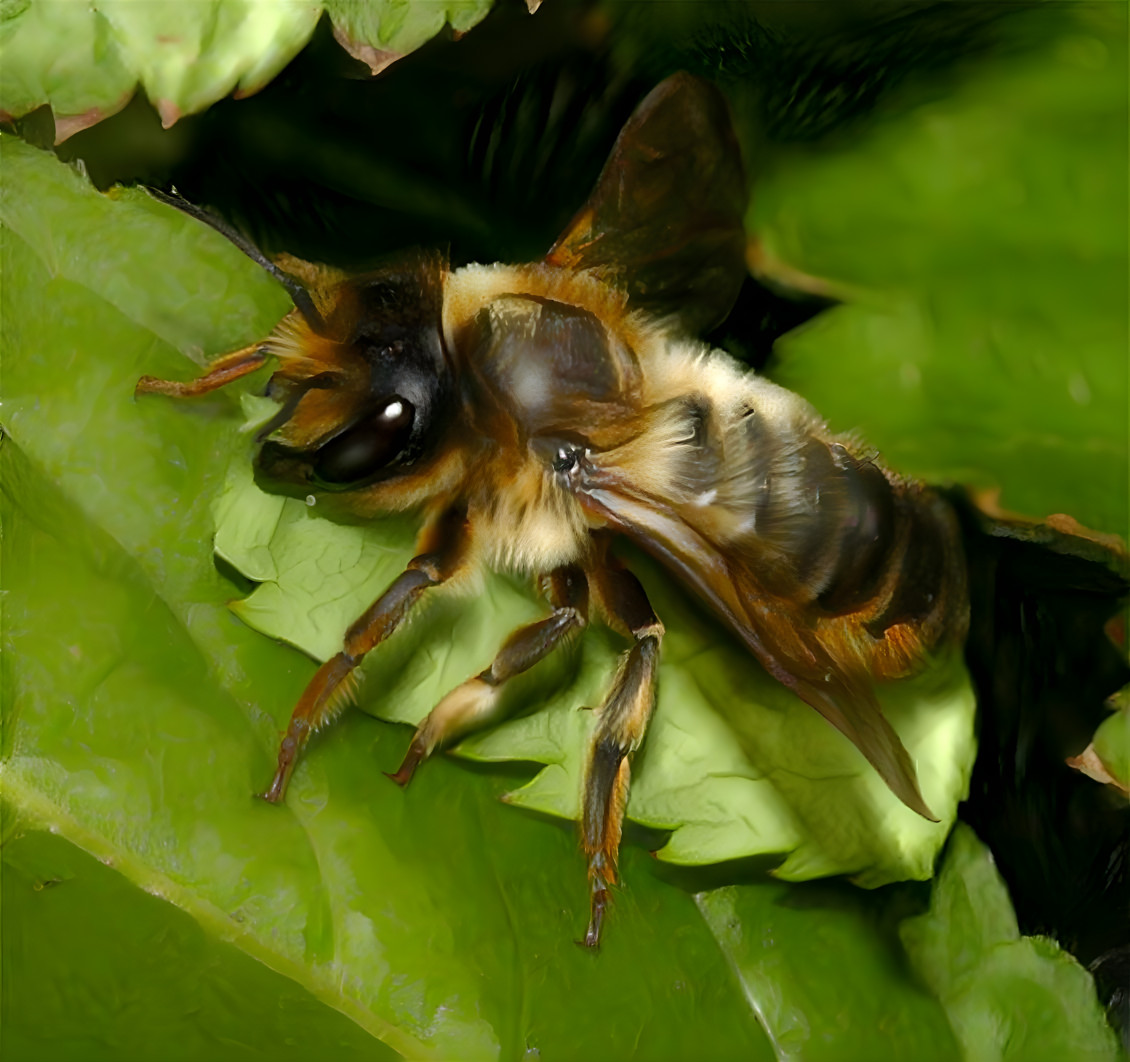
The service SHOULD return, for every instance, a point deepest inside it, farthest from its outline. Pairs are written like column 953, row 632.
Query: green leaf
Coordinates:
column 65, row 968
column 139, row 716
column 982, row 237
column 1007, row 996
column 87, row 60
column 786, row 945
column 378, row 34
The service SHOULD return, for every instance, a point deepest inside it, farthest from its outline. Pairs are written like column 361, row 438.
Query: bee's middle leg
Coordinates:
column 474, row 702
column 620, row 731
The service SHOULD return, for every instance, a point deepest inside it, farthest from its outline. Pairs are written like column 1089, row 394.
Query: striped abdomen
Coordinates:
column 865, row 556
column 810, row 535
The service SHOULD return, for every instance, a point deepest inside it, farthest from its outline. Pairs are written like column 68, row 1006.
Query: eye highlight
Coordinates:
column 368, row 446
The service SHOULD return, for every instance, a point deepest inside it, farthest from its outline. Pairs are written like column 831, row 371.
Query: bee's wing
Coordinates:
column 782, row 641
column 665, row 220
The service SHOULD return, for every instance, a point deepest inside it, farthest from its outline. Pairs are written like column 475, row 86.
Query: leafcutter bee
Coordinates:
column 533, row 414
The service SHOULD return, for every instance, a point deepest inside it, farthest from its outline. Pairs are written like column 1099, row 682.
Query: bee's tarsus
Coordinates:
column 598, row 904
column 289, row 748
column 327, row 694
column 412, row 759
column 620, row 730
column 276, row 792
column 473, row 703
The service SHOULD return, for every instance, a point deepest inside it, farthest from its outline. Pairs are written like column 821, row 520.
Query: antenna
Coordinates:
column 298, row 294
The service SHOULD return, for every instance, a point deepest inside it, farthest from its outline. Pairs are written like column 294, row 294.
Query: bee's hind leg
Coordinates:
column 474, row 702
column 622, row 723
column 221, row 372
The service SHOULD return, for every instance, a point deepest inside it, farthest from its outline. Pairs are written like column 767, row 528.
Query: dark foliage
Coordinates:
column 1043, row 666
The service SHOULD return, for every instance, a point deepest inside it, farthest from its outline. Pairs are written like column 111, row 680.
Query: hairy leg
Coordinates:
column 620, row 731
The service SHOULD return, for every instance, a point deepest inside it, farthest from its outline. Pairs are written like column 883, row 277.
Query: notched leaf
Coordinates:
column 86, row 61
column 734, row 765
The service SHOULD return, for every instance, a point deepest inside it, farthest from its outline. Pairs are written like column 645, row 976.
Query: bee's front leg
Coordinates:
column 221, row 372
column 443, row 543
column 474, row 702
column 619, row 732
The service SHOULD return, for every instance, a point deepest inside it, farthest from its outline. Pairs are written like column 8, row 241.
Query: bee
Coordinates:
column 534, row 414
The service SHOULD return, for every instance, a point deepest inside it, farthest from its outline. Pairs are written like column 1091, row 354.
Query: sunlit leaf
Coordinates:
column 734, row 764
column 86, row 60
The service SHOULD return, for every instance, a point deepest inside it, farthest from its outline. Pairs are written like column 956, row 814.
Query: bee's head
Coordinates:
column 365, row 390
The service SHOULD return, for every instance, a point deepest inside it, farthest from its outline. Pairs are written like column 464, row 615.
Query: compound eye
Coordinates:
column 368, row 446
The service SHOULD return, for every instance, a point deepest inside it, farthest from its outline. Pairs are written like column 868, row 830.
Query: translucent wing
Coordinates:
column 665, row 220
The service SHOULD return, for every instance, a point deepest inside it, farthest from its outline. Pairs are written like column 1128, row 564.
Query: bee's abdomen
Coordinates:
column 896, row 557
column 859, row 519
column 878, row 551
column 924, row 569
